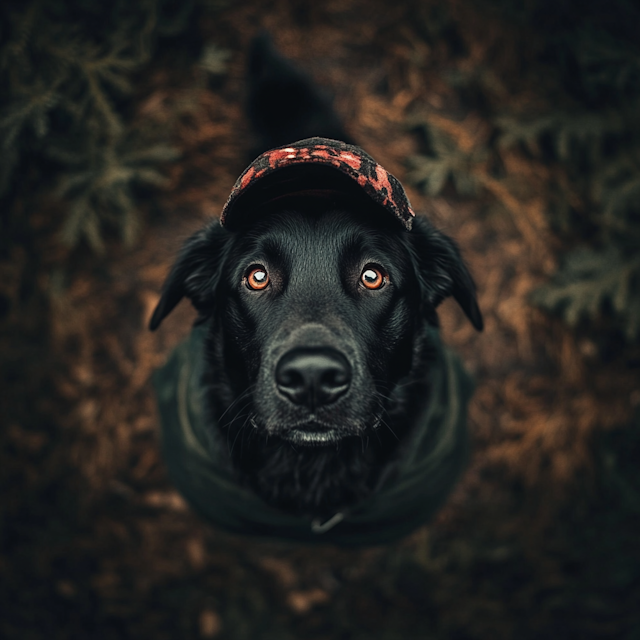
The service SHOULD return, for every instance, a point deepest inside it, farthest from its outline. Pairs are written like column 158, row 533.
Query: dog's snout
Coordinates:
column 313, row 377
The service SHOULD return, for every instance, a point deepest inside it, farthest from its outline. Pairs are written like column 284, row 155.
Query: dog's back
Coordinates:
column 283, row 103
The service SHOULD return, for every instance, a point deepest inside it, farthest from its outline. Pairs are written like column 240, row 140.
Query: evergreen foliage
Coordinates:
column 445, row 162
column 68, row 69
column 591, row 282
column 99, row 182
column 214, row 59
column 584, row 126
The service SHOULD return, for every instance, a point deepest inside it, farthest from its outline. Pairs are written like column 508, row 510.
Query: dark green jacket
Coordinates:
column 428, row 465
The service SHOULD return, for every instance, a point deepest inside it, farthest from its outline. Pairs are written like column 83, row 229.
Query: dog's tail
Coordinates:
column 284, row 104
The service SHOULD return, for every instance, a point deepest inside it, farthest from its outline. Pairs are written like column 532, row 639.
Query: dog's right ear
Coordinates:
column 441, row 272
column 195, row 274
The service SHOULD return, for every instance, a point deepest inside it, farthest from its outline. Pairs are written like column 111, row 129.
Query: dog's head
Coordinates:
column 319, row 304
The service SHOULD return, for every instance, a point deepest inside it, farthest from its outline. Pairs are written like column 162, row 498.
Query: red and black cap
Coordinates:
column 316, row 166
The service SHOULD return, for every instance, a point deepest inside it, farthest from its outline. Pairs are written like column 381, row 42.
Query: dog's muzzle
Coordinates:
column 313, row 377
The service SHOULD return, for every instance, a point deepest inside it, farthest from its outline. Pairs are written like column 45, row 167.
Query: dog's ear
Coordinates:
column 195, row 274
column 441, row 272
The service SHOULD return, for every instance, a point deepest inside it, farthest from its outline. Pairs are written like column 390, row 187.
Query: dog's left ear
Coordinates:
column 195, row 274
column 441, row 272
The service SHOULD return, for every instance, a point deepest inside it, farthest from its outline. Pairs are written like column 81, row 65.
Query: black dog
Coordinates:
column 316, row 396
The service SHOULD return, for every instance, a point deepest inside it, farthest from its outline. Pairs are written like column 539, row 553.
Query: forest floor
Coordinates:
column 540, row 538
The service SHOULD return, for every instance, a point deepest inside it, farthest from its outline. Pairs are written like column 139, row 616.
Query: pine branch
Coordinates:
column 102, row 193
column 214, row 59
column 591, row 283
column 445, row 163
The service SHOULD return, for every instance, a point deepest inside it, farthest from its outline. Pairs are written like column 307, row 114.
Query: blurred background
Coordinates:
column 514, row 126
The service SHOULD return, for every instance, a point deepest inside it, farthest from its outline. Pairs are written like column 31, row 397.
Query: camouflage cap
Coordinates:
column 351, row 161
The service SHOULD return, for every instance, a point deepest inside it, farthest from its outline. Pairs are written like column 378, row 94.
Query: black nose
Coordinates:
column 313, row 377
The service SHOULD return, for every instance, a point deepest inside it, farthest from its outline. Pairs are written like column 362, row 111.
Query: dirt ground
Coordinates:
column 539, row 540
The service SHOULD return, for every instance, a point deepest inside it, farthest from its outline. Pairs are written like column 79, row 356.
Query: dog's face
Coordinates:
column 318, row 319
column 317, row 314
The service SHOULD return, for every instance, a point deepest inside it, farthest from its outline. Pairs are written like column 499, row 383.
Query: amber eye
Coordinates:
column 257, row 278
column 372, row 277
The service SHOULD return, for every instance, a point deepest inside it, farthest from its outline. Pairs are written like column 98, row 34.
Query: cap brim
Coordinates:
column 319, row 164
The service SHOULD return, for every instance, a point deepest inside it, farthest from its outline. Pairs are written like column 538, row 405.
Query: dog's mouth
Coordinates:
column 310, row 433
column 318, row 434
column 313, row 434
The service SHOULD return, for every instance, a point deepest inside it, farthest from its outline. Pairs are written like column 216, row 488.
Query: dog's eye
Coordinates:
column 257, row 278
column 373, row 277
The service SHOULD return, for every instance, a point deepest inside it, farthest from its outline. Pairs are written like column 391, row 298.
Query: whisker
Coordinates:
column 244, row 424
column 229, row 426
column 242, row 396
column 362, row 442
column 386, row 424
